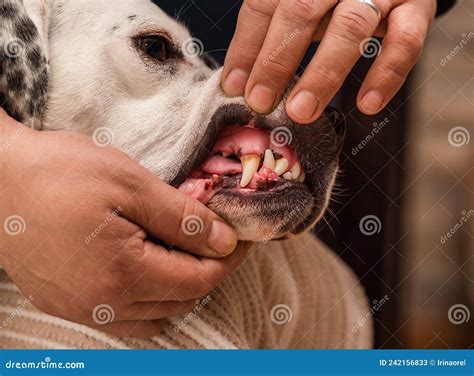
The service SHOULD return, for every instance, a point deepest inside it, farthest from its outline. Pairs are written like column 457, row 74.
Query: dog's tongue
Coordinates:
column 243, row 142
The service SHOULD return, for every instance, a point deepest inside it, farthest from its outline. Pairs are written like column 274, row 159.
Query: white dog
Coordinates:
column 126, row 70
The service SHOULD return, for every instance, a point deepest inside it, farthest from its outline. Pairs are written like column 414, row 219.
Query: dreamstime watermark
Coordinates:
column 200, row 304
column 192, row 47
column 281, row 136
column 47, row 363
column 12, row 138
column 377, row 127
column 288, row 38
column 370, row 47
column 370, row 225
column 465, row 39
column 103, row 136
column 281, row 314
column 458, row 136
column 14, row 225
column 376, row 305
column 280, row 227
column 192, row 225
column 103, row 314
column 19, row 308
column 465, row 216
column 14, row 48
column 458, row 314
column 108, row 218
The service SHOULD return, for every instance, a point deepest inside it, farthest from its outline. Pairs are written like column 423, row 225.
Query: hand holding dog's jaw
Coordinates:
column 84, row 209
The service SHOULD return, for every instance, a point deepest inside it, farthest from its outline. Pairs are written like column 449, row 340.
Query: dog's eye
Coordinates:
column 155, row 46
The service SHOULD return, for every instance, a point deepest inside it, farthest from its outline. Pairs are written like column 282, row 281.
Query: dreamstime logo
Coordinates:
column 192, row 225
column 19, row 308
column 370, row 225
column 109, row 217
column 459, row 136
column 14, row 225
column 281, row 226
column 458, row 314
column 466, row 38
column 14, row 48
column 6, row 145
column 281, row 136
column 465, row 216
column 281, row 314
column 377, row 127
column 103, row 136
column 200, row 304
column 288, row 38
column 376, row 306
column 103, row 314
column 192, row 47
column 370, row 47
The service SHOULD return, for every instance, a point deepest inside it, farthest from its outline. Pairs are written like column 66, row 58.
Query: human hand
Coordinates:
column 74, row 219
column 260, row 65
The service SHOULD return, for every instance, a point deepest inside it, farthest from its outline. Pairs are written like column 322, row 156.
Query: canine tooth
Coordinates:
column 225, row 155
column 281, row 166
column 250, row 165
column 269, row 160
column 296, row 170
column 288, row 175
column 302, row 176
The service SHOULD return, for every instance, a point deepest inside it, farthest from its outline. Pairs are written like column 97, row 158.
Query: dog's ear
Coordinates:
column 24, row 59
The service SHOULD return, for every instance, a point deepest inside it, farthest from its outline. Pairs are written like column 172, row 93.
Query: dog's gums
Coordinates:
column 248, row 153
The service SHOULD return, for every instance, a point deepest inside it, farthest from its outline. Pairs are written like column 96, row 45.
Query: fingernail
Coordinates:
column 222, row 238
column 372, row 102
column 261, row 98
column 304, row 104
column 234, row 84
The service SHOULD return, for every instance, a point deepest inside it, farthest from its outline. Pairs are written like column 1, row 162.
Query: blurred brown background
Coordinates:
column 439, row 189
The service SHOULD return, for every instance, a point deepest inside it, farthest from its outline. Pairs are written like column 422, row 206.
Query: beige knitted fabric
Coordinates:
column 290, row 294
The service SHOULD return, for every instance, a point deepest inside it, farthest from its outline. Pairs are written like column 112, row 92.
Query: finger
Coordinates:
column 252, row 25
column 133, row 329
column 323, row 25
column 351, row 24
column 402, row 46
column 178, row 276
column 174, row 217
column 155, row 310
column 289, row 37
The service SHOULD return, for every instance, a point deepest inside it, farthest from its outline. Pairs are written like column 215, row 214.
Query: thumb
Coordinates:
column 177, row 219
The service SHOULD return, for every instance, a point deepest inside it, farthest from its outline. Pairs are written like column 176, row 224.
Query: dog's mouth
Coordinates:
column 245, row 159
column 261, row 174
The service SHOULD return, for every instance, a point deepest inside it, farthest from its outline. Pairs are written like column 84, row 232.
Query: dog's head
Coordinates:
column 123, row 71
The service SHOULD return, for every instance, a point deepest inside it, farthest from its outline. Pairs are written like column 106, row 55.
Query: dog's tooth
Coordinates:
column 225, row 155
column 296, row 170
column 269, row 160
column 281, row 166
column 302, row 177
column 250, row 165
column 288, row 175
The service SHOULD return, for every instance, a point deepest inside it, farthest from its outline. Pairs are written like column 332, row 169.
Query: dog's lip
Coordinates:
column 226, row 114
column 240, row 114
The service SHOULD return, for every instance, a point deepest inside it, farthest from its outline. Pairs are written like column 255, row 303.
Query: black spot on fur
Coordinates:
column 132, row 17
column 35, row 58
column 8, row 10
column 16, row 81
column 26, row 30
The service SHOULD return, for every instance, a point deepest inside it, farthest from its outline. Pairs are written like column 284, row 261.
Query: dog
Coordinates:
column 128, row 70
